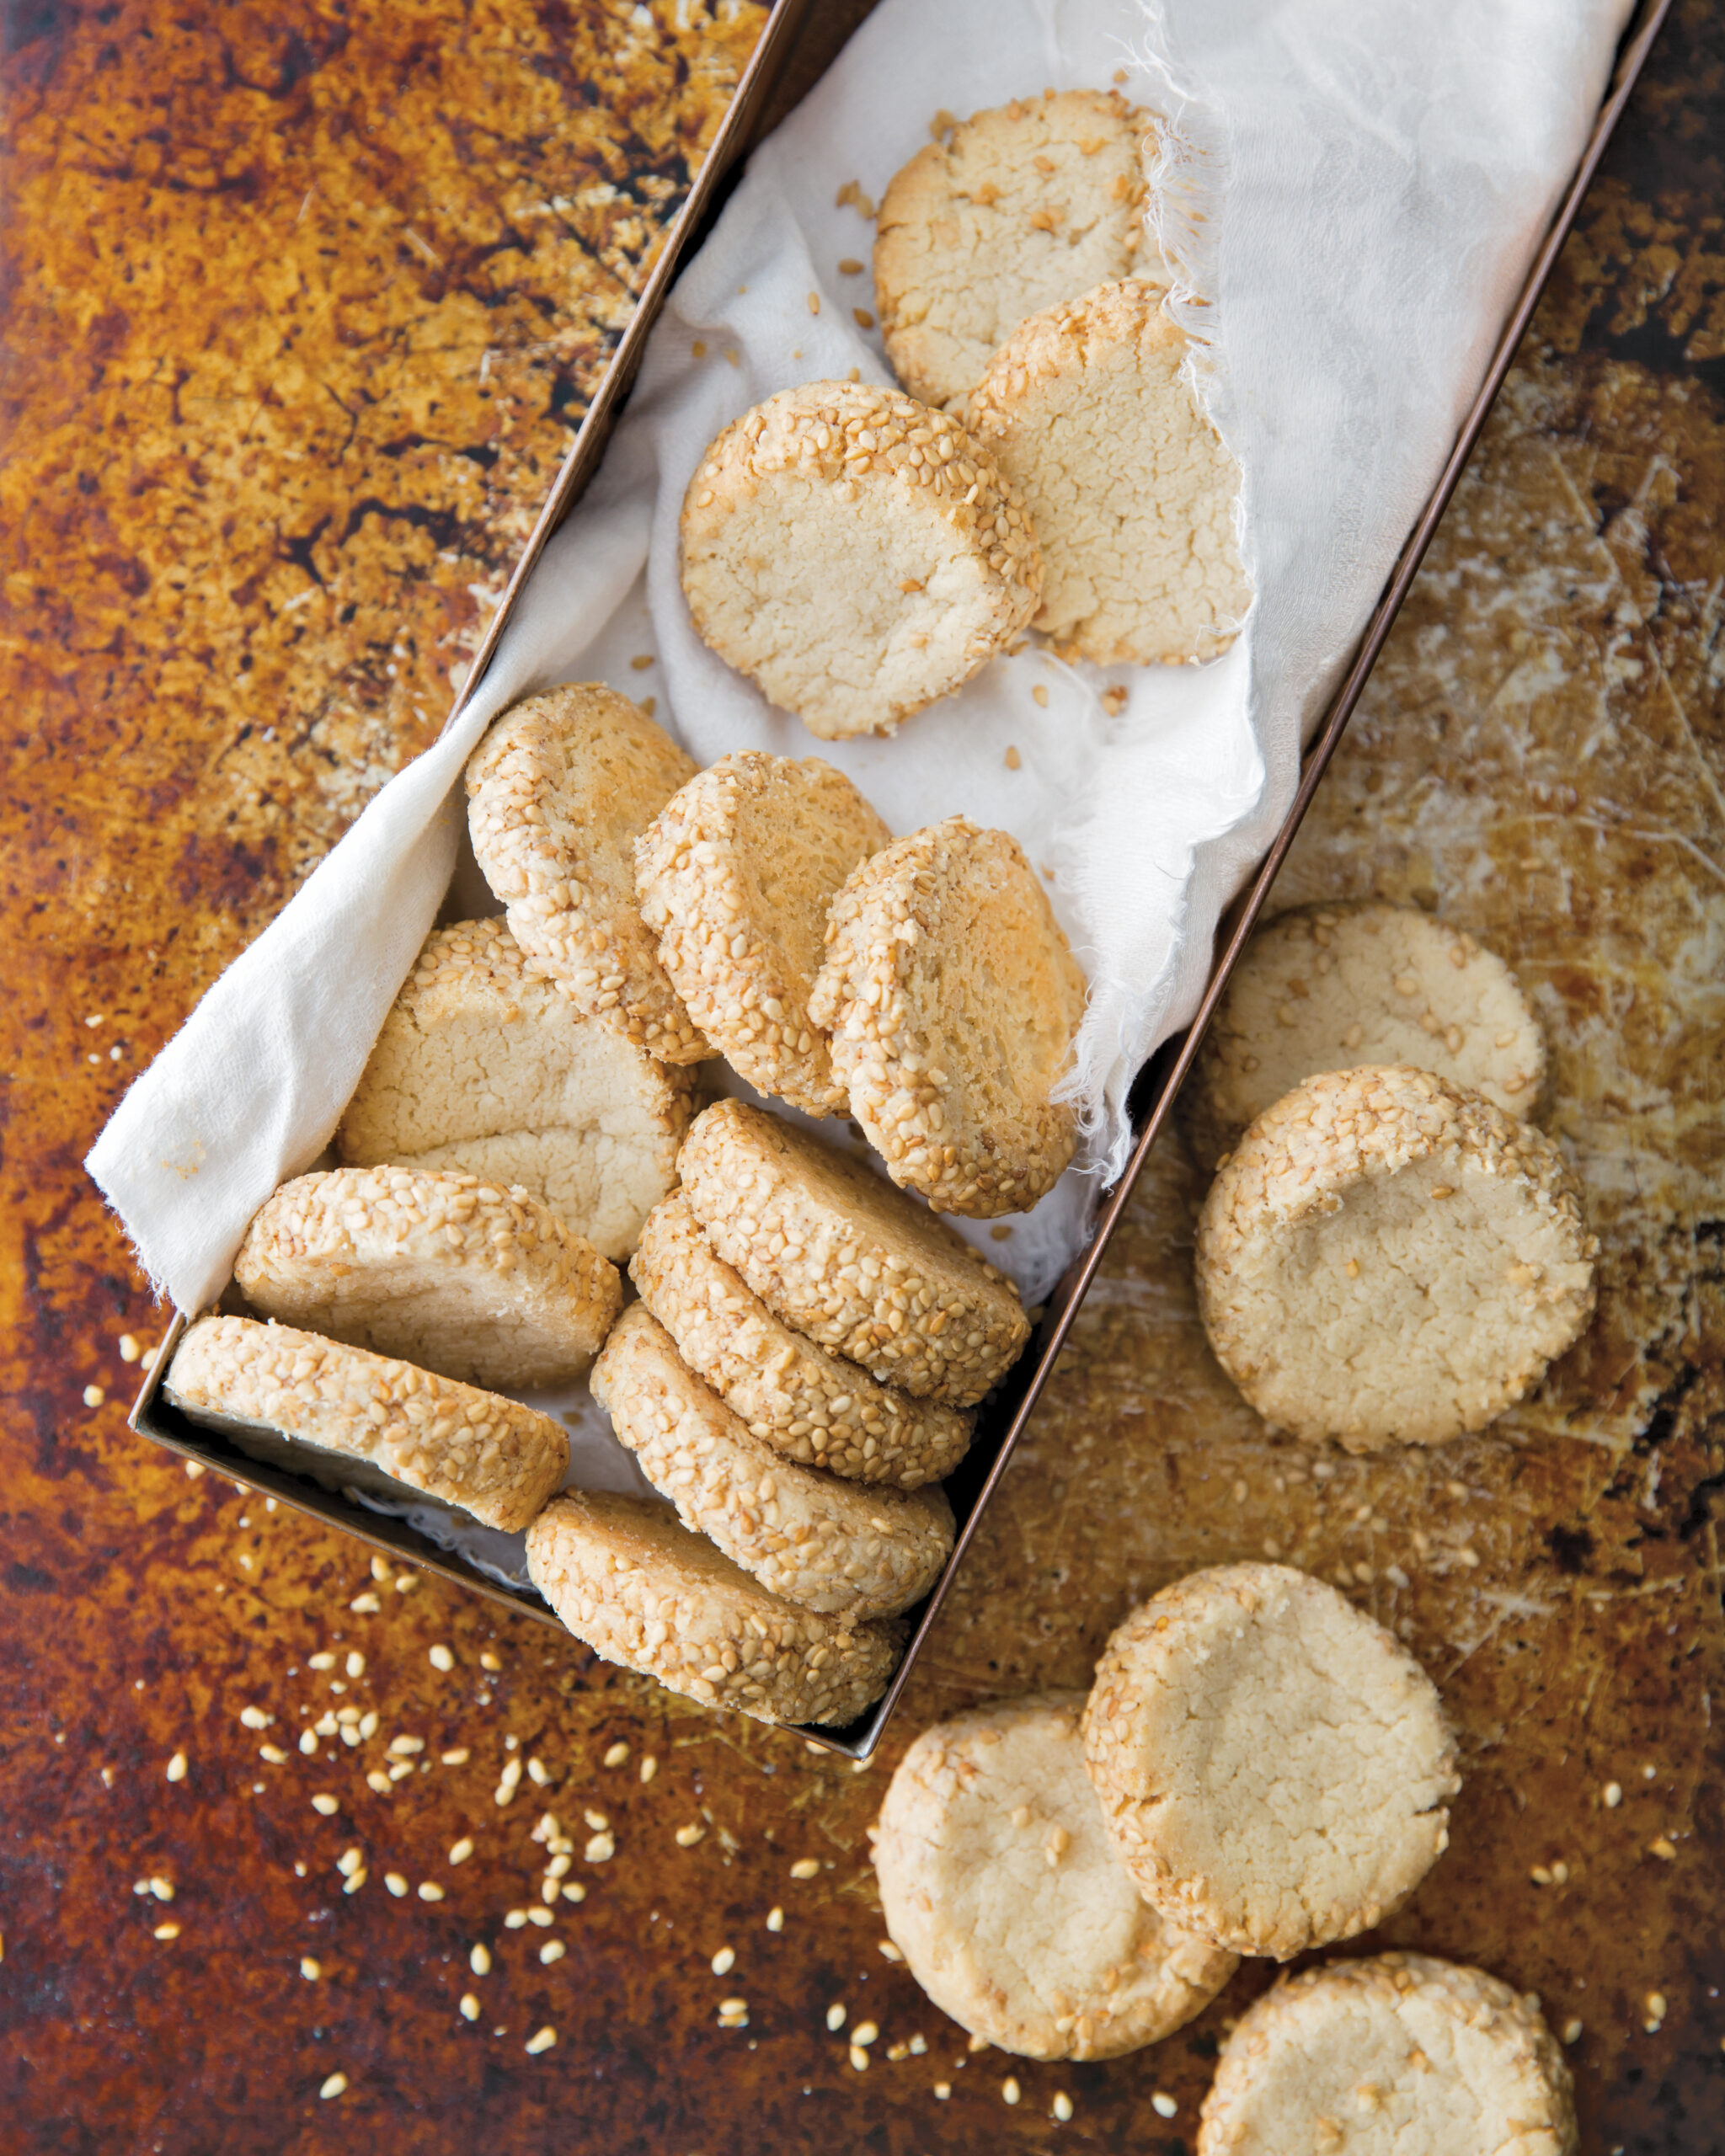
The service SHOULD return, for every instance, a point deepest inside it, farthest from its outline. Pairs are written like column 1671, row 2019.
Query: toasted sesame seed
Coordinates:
column 601, row 1847
column 328, row 1806
column 859, row 2058
column 538, row 1773
column 429, row 1891
column 457, row 1758
column 1572, row 2033
column 308, row 1742
column 256, row 1718
column 334, row 2086
column 274, row 1753
column 542, row 2042
column 1662, row 1847
column 615, row 1754
column 539, row 1916
column 574, row 1891
column 649, row 1768
column 350, row 1862
column 365, row 1605
column 1061, row 2106
column 865, row 2032
column 1164, row 2106
column 942, row 2090
column 176, row 1767
column 489, row 1660
column 553, row 1949
column 1613, row 1794
column 161, row 1888
column 356, row 1664
column 687, row 1837
column 376, row 1780
column 1010, row 2090
column 835, row 2017
column 461, row 1850
column 775, row 1919
column 310, row 1970
column 814, row 302
column 441, row 1658
column 397, row 1885
column 129, row 1348
column 514, row 1920
column 469, row 2007
column 805, row 1867
column 168, row 1931
column 94, row 1395
column 724, row 1961
column 890, row 1951
column 322, row 1660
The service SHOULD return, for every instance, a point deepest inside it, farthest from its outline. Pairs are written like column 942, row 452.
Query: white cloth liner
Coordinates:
column 1353, row 190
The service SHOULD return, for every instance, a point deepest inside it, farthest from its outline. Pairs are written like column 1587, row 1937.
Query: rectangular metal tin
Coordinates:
column 802, row 39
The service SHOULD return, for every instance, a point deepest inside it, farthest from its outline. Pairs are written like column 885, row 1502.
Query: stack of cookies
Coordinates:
column 859, row 551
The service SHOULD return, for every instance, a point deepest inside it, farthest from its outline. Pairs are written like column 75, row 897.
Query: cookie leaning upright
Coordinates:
column 1386, row 1259
column 843, row 1258
column 1387, row 2057
column 557, row 792
column 1015, row 210
column 856, row 554
column 734, row 875
column 1002, row 1889
column 1274, row 1766
column 953, row 997
column 1088, row 411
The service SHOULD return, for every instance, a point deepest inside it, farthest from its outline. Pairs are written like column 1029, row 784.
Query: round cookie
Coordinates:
column 847, row 1261
column 804, row 1402
column 1002, row 1889
column 953, row 997
column 353, row 1420
column 625, row 1576
column 481, row 1285
column 1089, row 412
column 558, row 792
column 1334, row 987
column 1015, row 210
column 484, row 1066
column 1399, row 2054
column 855, row 554
column 1274, row 1766
column 735, row 874
column 1385, row 1259
column 807, row 1537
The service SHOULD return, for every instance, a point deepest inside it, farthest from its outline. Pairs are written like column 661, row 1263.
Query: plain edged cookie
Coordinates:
column 855, row 554
column 1015, row 209
column 953, row 997
column 626, row 1576
column 1089, row 411
column 1399, row 2054
column 1275, row 1767
column 558, row 793
column 1002, row 1891
column 734, row 875
column 478, row 1283
column 1385, row 1259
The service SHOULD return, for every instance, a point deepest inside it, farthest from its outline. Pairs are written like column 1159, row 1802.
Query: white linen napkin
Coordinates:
column 1353, row 188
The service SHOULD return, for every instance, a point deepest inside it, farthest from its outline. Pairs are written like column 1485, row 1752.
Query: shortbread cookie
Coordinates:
column 484, row 1066
column 1398, row 2055
column 355, row 1421
column 1274, row 1768
column 455, row 1275
column 625, row 1576
column 735, row 874
column 847, row 1261
column 1089, row 411
column 1002, row 1889
column 953, row 997
column 805, row 1403
column 855, row 554
column 1385, row 1259
column 1015, row 210
column 558, row 793
column 823, row 1544
column 1334, row 987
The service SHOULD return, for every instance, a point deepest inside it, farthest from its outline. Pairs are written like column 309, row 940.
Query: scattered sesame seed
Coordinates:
column 274, row 1753
column 350, row 1862
column 458, row 1757
column 514, row 1920
column 775, row 1919
column 890, row 1951
column 309, row 1969
column 489, row 1661
column 1613, row 1794
column 1662, row 1847
column 865, row 2032
column 365, row 1605
column 731, row 2008
column 161, row 1888
column 687, row 1837
column 328, row 1806
column 441, row 1658
column 194, row 1468
column 479, row 1958
column 1010, row 2090
column 859, row 2058
column 538, row 1916
column 380, row 1568
column 601, row 1848
column 542, row 2042
column 94, row 1395
column 1164, row 2106
column 805, row 1867
column 376, row 1780
column 322, row 1661
column 835, row 2017
column 335, row 2085
column 256, row 1718
column 538, row 1773
column 942, row 2090
column 470, row 2007
column 176, row 1767
column 1572, row 2033
column 168, row 1931
column 615, row 1754
column 405, row 1583
column 724, row 1961
column 461, row 1850
column 1061, row 2108
column 574, row 1891
column 814, row 302
column 553, row 1949
column 429, row 1891
column 129, row 1348
column 649, row 1768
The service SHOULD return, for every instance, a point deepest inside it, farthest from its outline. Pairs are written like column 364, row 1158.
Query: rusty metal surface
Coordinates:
column 235, row 378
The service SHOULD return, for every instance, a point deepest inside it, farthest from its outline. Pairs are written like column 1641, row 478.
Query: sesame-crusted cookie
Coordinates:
column 557, row 792
column 953, row 997
column 735, row 874
column 855, row 554
column 1016, row 209
column 455, row 1275
column 353, row 1420
column 1089, row 411
column 1275, row 1767
column 1333, row 987
column 1002, row 1889
column 823, row 1543
column 1385, row 1259
column 1401, row 2055
column 482, row 1065
column 627, row 1577
column 847, row 1261
column 809, row 1405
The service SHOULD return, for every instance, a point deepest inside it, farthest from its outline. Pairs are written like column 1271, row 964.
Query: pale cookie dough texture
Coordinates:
column 625, row 1576
column 1334, row 987
column 953, row 997
column 1015, row 210
column 812, row 1406
column 558, row 793
column 1002, row 1889
column 843, row 1258
column 1275, row 1770
column 1088, row 411
column 1385, row 1259
column 1399, row 2056
column 476, row 1283
column 735, row 874
column 823, row 1543
column 484, row 1066
column 354, row 1420
column 855, row 554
